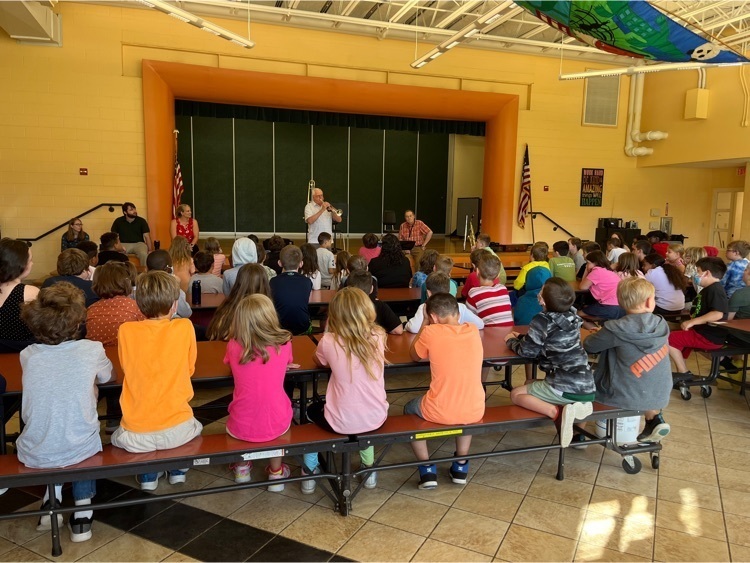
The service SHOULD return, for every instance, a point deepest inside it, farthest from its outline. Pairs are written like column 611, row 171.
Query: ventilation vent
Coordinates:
column 600, row 102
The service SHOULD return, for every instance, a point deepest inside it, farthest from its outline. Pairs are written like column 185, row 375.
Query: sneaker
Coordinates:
column 459, row 472
column 45, row 521
column 372, row 478
column 80, row 529
column 111, row 426
column 282, row 473
column 149, row 485
column 308, row 486
column 655, row 430
column 678, row 377
column 242, row 472
column 428, row 476
column 729, row 367
column 177, row 476
column 3, row 491
column 570, row 413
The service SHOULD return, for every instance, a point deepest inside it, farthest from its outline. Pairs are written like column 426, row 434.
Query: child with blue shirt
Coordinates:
column 737, row 252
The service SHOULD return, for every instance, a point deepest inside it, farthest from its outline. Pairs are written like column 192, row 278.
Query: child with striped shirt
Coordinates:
column 490, row 302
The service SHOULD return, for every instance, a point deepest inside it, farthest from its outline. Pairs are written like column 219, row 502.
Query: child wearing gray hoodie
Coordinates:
column 634, row 370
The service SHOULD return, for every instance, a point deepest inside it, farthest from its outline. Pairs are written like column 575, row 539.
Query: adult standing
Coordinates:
column 415, row 230
column 319, row 217
column 73, row 235
column 185, row 226
column 134, row 232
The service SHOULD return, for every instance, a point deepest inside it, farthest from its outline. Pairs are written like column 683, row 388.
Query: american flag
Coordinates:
column 177, row 188
column 524, row 200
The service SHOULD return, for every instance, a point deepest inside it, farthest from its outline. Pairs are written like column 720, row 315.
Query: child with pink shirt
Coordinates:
column 602, row 282
column 259, row 353
column 354, row 349
column 213, row 248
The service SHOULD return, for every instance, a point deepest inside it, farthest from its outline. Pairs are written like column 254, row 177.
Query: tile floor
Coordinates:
column 696, row 507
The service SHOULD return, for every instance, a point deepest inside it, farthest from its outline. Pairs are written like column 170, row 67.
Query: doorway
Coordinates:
column 725, row 217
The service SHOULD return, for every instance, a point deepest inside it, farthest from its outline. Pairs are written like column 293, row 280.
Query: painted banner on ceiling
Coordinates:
column 629, row 28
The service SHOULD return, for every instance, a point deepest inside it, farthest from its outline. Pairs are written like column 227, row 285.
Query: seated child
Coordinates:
column 244, row 251
column 358, row 263
column 602, row 282
column 586, row 249
column 483, row 243
column 539, row 252
column 675, row 254
column 61, row 423
column 561, row 265
column 291, row 292
column 259, row 353
column 209, row 283
column 710, row 306
column 73, row 267
column 444, row 264
column 160, row 260
column 158, row 359
column 341, row 273
column 528, row 304
column 384, row 315
column 310, row 268
column 92, row 251
column 370, row 248
column 270, row 273
column 614, row 249
column 737, row 252
column 110, row 249
column 426, row 267
column 456, row 395
column 181, row 252
column 554, row 339
column 575, row 251
column 326, row 259
column 213, row 247
column 633, row 370
column 628, row 266
column 438, row 282
column 490, row 302
column 354, row 348
column 739, row 303
column 472, row 280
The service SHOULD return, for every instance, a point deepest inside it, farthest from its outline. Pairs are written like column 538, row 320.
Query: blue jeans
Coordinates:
column 151, row 477
column 84, row 489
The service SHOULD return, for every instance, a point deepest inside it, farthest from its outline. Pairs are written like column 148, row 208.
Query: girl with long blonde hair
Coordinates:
column 251, row 279
column 259, row 353
column 353, row 347
column 182, row 261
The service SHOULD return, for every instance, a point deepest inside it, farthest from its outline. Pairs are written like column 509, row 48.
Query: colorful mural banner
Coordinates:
column 630, row 28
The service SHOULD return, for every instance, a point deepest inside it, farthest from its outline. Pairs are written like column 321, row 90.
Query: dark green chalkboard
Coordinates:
column 213, row 173
column 366, row 181
column 292, row 176
column 400, row 191
column 432, row 185
column 182, row 124
column 330, row 166
column 254, row 175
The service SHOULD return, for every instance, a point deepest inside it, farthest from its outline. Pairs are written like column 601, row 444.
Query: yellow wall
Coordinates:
column 81, row 106
column 467, row 172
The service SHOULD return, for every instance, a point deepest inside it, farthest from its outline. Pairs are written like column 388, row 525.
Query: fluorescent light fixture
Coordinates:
column 451, row 45
column 419, row 65
column 493, row 19
column 643, row 69
column 472, row 32
column 188, row 17
column 435, row 55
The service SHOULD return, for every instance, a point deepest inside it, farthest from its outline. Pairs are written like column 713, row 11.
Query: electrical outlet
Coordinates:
column 655, row 212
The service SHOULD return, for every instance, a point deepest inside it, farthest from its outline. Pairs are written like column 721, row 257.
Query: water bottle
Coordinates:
column 196, row 292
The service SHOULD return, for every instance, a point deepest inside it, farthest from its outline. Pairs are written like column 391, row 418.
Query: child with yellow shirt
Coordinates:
column 158, row 358
column 539, row 257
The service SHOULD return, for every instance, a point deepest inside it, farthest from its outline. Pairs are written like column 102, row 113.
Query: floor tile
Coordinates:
column 223, row 504
column 6, row 546
column 270, row 511
column 690, row 520
column 632, row 534
column 732, row 459
column 365, row 504
column 551, row 517
column 528, row 544
column 620, row 504
column 575, row 469
column 21, row 530
column 687, row 451
column 643, row 483
column 177, row 556
column 129, row 547
column 688, row 470
column 739, row 552
column 227, row 541
column 736, row 502
column 729, row 442
column 731, row 427
column 589, row 552
column 176, row 526
column 323, row 528
column 376, row 542
column 410, row 514
column 433, row 550
column 683, row 434
column 489, row 501
column 737, row 530
column 101, row 535
column 569, row 492
column 22, row 554
column 132, row 516
column 446, row 492
column 283, row 549
column 506, row 477
column 674, row 546
column 693, row 494
column 470, row 531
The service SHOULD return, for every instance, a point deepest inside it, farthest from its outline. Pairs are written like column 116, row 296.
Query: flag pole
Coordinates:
column 531, row 216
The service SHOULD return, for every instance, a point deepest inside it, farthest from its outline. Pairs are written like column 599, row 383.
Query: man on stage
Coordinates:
column 416, row 230
column 319, row 217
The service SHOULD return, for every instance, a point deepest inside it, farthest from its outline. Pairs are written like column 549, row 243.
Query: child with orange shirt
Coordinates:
column 158, row 358
column 456, row 395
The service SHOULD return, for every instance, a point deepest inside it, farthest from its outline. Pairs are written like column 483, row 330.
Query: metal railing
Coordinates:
column 555, row 223
column 111, row 206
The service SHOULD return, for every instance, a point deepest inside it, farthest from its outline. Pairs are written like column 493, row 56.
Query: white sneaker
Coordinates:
column 45, row 521
column 308, row 486
column 282, row 474
column 242, row 472
column 178, row 478
column 571, row 413
column 149, row 485
column 372, row 479
column 3, row 491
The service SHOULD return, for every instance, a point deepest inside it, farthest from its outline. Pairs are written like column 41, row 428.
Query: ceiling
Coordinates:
column 433, row 21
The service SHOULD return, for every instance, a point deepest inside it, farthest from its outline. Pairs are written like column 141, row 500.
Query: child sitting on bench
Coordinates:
column 259, row 353
column 354, row 348
column 456, row 395
column 554, row 339
column 633, row 370
column 158, row 358
column 59, row 396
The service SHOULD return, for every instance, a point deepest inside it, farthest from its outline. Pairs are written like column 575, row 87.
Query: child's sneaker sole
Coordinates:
column 150, row 485
column 80, row 529
column 179, row 478
column 659, row 432
column 571, row 413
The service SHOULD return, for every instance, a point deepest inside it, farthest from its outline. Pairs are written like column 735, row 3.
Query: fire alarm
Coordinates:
column 83, row 171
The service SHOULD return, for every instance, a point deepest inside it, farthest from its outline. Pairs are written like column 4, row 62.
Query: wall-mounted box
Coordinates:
column 696, row 104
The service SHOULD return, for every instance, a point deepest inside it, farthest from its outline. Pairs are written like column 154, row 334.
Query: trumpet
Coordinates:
column 332, row 209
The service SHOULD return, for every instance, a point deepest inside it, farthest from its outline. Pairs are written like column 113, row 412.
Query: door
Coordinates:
column 723, row 217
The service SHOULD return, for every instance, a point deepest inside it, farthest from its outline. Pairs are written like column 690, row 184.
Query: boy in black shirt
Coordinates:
column 710, row 306
column 110, row 242
column 384, row 315
column 291, row 292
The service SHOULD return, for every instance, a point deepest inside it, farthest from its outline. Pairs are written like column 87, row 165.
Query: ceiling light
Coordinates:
column 147, row 4
column 241, row 44
column 492, row 19
column 419, row 65
column 451, row 45
column 209, row 30
column 472, row 32
column 435, row 55
column 179, row 17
